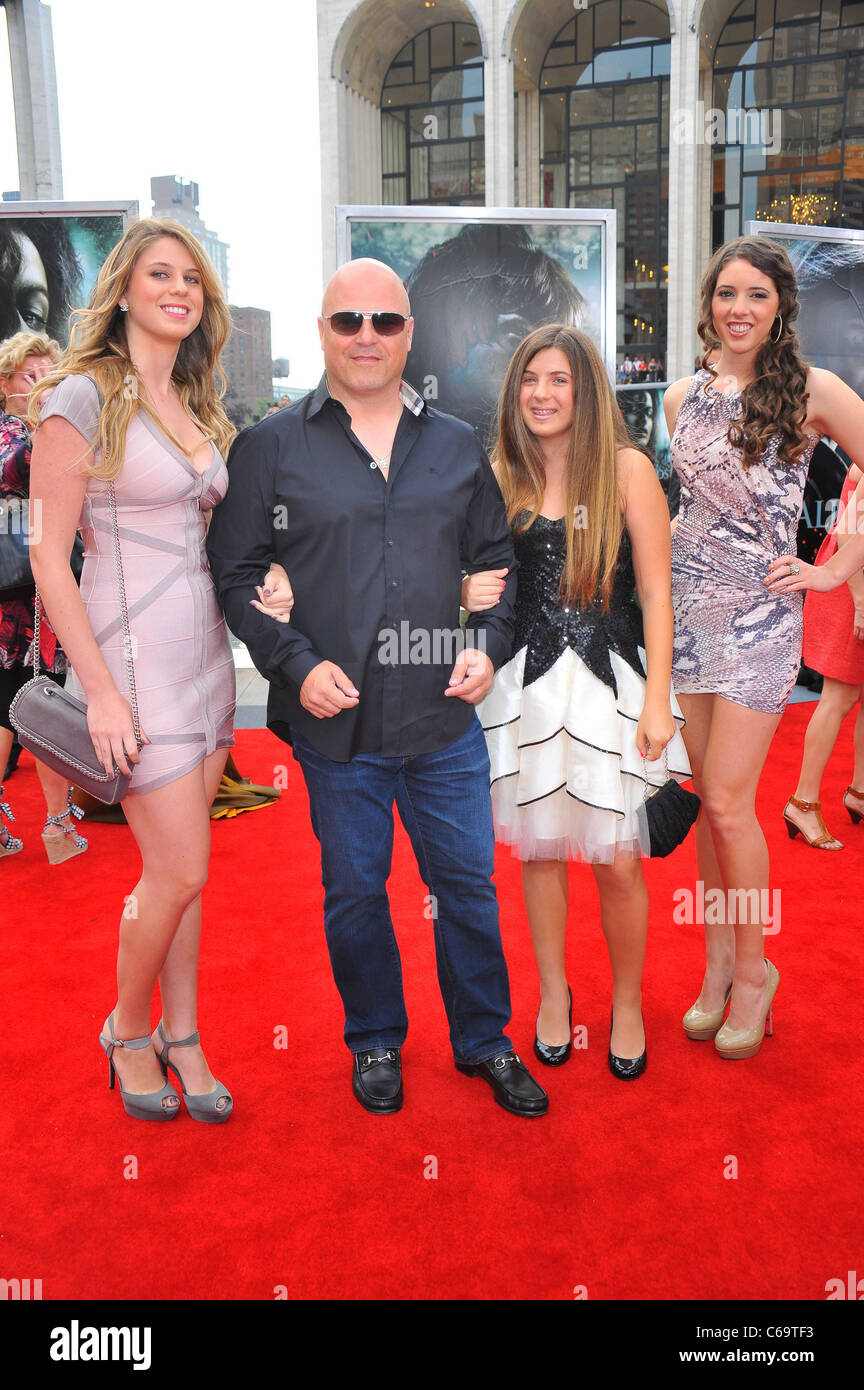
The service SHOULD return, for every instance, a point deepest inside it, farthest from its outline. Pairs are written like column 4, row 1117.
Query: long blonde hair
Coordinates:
column 98, row 348
column 15, row 351
column 593, row 511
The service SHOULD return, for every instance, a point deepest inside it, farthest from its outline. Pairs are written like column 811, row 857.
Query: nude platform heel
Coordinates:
column 746, row 1042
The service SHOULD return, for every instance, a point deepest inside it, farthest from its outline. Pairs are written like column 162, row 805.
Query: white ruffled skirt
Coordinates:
column 566, row 778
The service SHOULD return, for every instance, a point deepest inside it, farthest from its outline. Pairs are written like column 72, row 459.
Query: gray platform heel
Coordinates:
column 147, row 1105
column 200, row 1107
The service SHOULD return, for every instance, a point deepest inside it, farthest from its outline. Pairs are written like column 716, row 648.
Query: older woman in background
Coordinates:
column 24, row 360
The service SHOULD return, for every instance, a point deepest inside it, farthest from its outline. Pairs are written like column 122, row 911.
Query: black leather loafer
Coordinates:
column 512, row 1084
column 377, row 1079
column 627, row 1068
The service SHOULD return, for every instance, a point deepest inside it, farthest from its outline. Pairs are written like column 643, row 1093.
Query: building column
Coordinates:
column 34, row 89
column 528, row 113
column 689, row 200
column 350, row 158
column 498, row 126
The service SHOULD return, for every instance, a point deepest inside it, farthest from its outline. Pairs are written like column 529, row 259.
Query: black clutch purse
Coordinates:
column 666, row 815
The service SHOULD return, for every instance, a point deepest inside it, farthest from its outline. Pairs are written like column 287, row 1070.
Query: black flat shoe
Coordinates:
column 555, row 1056
column 512, row 1084
column 627, row 1068
column 377, row 1079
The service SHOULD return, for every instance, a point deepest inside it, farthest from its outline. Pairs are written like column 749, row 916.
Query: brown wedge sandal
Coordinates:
column 824, row 839
column 854, row 816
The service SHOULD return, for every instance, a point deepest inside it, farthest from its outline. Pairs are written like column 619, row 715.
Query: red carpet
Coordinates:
column 620, row 1190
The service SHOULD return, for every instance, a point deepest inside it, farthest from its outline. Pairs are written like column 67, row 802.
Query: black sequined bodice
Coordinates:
column 546, row 627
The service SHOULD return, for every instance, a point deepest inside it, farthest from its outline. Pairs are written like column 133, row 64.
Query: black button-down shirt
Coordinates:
column 375, row 566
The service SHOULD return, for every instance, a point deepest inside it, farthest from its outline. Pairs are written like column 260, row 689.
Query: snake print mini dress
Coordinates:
column 733, row 636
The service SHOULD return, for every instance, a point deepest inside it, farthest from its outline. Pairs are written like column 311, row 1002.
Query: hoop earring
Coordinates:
column 779, row 330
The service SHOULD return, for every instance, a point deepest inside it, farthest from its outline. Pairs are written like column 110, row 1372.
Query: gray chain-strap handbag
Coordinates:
column 52, row 723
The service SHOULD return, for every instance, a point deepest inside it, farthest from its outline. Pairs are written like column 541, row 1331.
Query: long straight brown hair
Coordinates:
column 593, row 508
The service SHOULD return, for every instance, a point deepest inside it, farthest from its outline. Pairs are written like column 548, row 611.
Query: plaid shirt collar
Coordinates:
column 410, row 398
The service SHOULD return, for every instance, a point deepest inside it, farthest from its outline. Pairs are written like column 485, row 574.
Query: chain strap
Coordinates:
column 127, row 640
column 645, row 794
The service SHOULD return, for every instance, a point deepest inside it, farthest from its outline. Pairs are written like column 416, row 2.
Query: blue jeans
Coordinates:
column 443, row 800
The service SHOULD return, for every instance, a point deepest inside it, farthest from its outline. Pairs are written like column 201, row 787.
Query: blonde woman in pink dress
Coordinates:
column 136, row 400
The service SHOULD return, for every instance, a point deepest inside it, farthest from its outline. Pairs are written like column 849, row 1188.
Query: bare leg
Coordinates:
column 624, row 915
column 172, row 830
column 719, row 936
column 178, row 978
column 835, row 702
column 6, row 737
column 544, row 884
column 55, row 789
column 857, row 802
column 737, row 748
column 6, row 740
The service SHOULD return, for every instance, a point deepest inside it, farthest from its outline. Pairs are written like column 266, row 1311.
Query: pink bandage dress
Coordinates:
column 184, row 668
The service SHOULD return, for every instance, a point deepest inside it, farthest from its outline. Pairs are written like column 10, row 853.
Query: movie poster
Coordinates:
column 829, row 267
column 479, row 281
column 50, row 255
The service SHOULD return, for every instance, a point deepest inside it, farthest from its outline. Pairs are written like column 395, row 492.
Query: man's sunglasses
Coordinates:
column 347, row 322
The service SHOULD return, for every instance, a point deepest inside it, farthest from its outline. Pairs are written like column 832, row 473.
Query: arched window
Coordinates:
column 788, row 118
column 604, row 133
column 432, row 116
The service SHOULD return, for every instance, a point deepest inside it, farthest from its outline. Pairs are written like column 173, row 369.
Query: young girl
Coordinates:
column 577, row 709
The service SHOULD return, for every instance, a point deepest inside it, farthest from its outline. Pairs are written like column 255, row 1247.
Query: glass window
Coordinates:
column 613, row 153
column 449, row 172
column 421, row 57
column 580, row 157
column 646, row 145
column 618, row 109
column 419, row 167
column 392, row 143
column 552, row 127
column 436, row 91
column 635, row 102
column 466, row 44
column 814, row 80
column 622, row 64
column 422, row 128
column 467, row 119
column 591, row 105
column 441, row 46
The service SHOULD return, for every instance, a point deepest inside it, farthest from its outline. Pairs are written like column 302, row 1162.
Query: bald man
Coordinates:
column 375, row 504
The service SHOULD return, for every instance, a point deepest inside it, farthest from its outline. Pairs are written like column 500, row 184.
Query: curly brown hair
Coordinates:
column 775, row 401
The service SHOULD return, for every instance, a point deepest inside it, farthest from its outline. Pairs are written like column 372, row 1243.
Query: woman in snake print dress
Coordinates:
column 743, row 432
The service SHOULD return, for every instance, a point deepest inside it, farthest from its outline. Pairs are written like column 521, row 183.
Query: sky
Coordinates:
column 224, row 94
